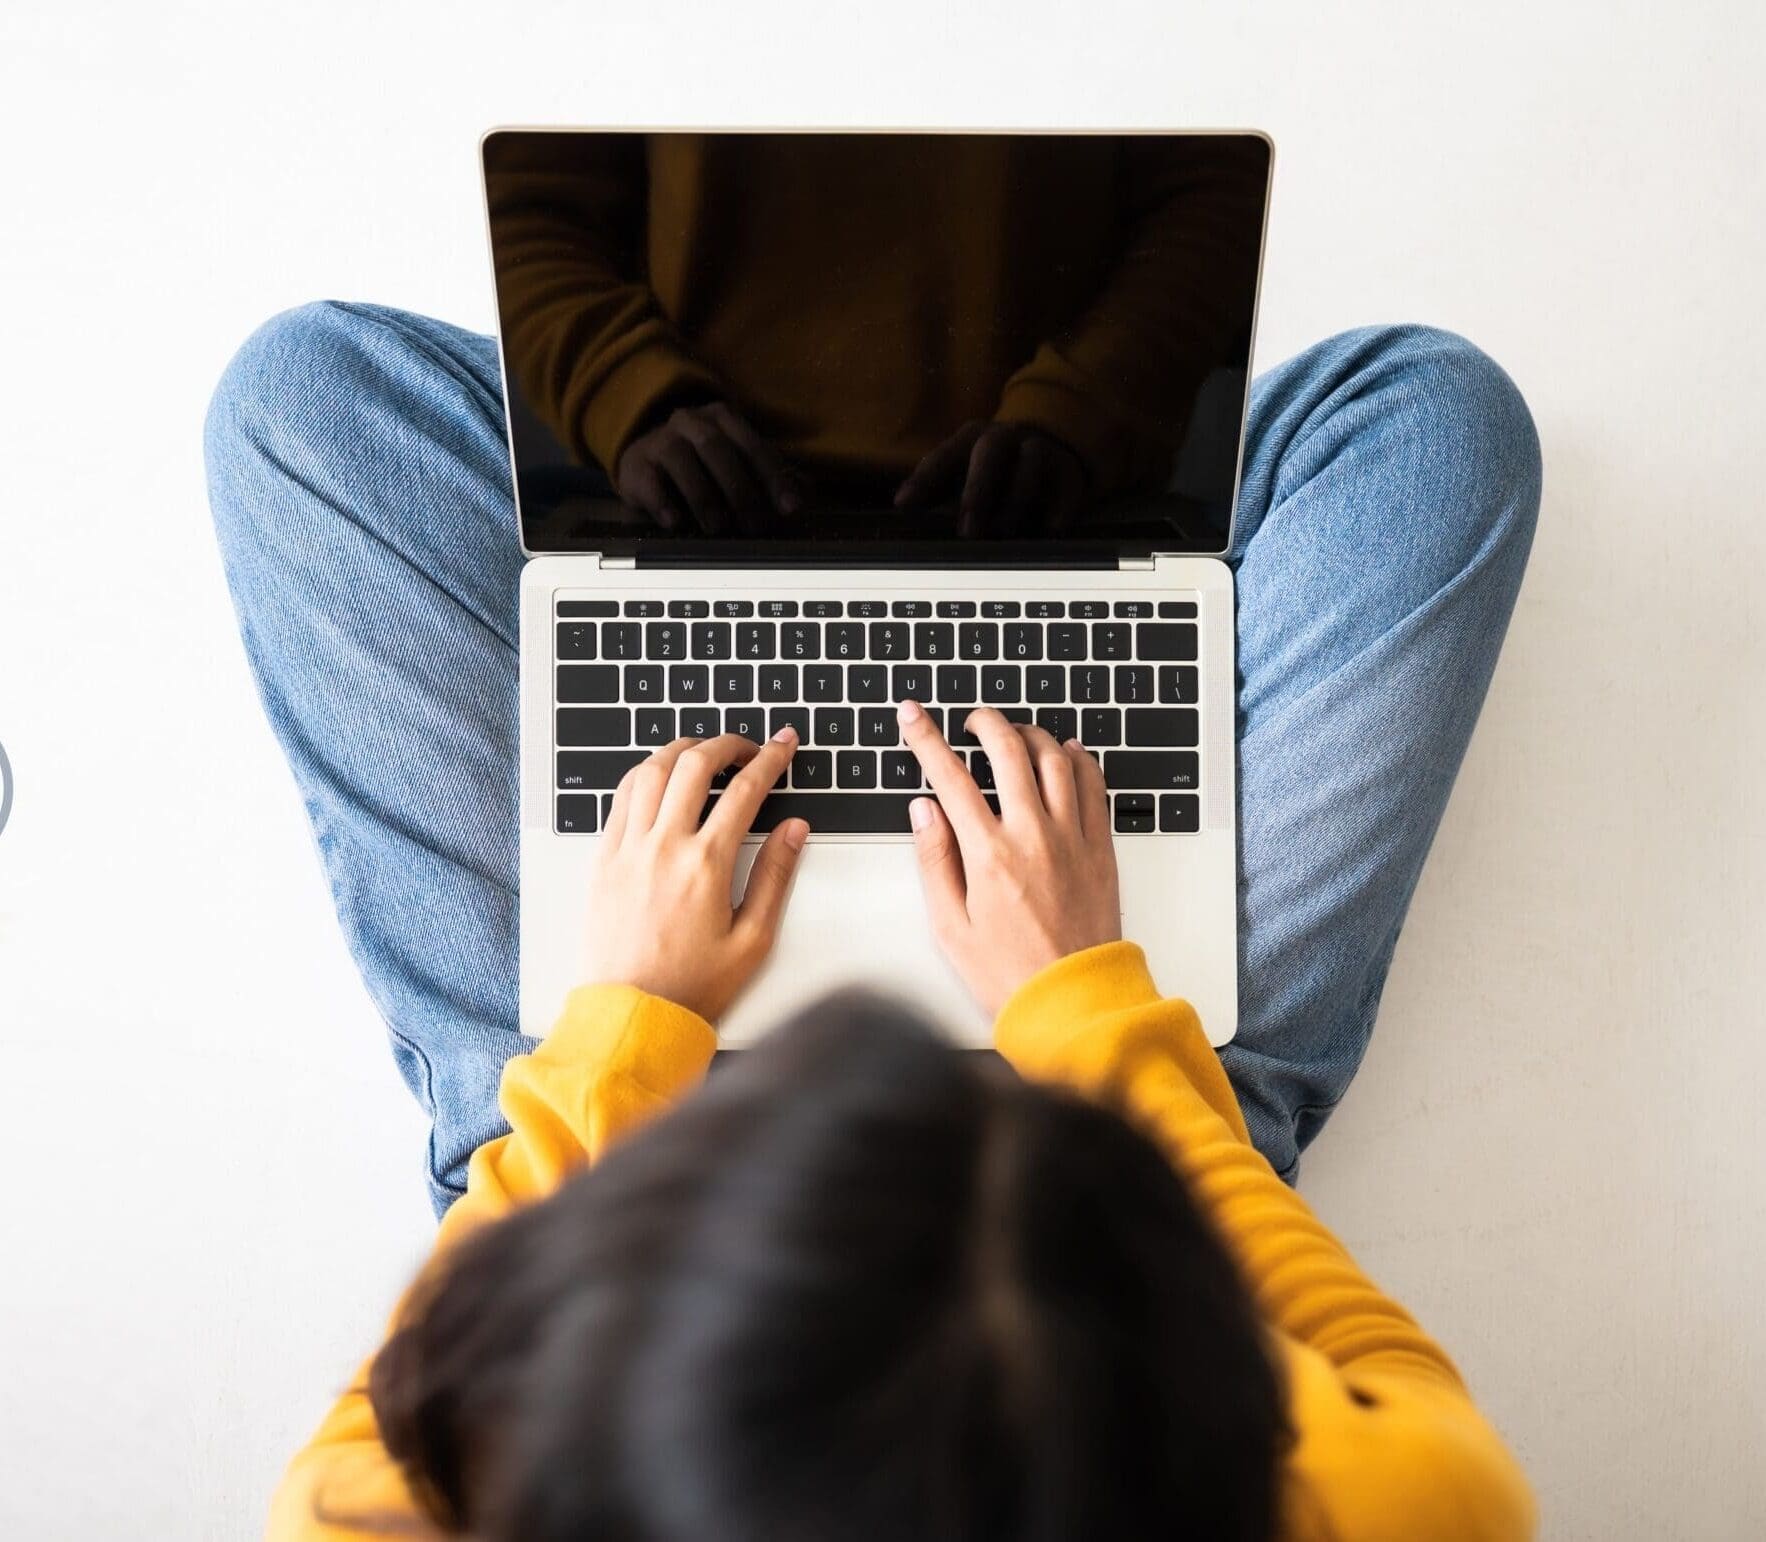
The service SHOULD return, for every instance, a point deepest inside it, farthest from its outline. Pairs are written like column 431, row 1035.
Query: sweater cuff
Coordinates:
column 1054, row 1007
column 654, row 1043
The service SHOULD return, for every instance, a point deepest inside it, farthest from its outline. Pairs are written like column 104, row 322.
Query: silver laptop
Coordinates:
column 803, row 424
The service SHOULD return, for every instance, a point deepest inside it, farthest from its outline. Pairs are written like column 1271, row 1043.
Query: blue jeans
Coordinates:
column 360, row 485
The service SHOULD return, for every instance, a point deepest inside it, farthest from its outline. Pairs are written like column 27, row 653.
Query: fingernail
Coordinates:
column 909, row 712
column 796, row 833
column 920, row 813
column 786, row 735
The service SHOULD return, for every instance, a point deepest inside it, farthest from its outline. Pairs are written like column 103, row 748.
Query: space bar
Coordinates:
column 839, row 813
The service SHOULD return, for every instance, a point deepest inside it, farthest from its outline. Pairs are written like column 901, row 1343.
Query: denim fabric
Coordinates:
column 360, row 485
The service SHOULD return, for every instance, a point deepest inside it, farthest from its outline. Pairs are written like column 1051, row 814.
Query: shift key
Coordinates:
column 1151, row 770
column 596, row 768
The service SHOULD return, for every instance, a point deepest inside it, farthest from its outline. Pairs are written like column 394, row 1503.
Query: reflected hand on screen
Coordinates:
column 704, row 470
column 1007, row 479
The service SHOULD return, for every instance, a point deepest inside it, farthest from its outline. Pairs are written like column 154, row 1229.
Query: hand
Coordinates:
column 664, row 920
column 1012, row 480
column 705, row 468
column 1011, row 895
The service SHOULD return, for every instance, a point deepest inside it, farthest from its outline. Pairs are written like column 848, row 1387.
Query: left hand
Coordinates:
column 664, row 918
column 1008, row 479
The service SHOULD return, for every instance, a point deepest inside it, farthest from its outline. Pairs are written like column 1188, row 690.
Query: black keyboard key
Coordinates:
column 861, row 813
column 1045, row 610
column 846, row 640
column 901, row 771
column 701, row 722
column 935, row 640
column 957, row 682
column 1166, row 727
column 1180, row 813
column 978, row 640
column 1089, row 684
column 1088, row 610
column 594, row 726
column 1023, row 641
column 1018, row 715
column 757, row 640
column 1134, row 682
column 1135, row 610
column 595, row 608
column 1001, row 610
column 911, row 608
column 812, row 768
column 643, row 683
column 1164, row 640
column 581, row 769
column 821, row 682
column 855, row 770
column 733, row 682
column 956, row 729
column 1160, row 770
column 821, row 607
column 789, row 717
column 747, row 720
column 576, row 640
column 622, row 640
column 910, row 682
column 778, row 608
column 1002, row 684
column 689, row 683
column 937, row 716
column 711, row 640
column 1134, row 813
column 665, row 641
column 643, row 607
column 1179, row 684
column 867, row 682
column 1062, row 722
column 1067, row 643
column 1045, row 683
column 588, row 682
column 877, row 726
column 867, row 610
column 956, row 610
column 732, row 608
column 606, row 808
column 981, row 768
column 689, row 610
column 836, row 726
column 778, row 682
column 1110, row 641
column 579, row 813
column 1100, row 727
column 800, row 640
column 655, row 727
column 889, row 640
column 1177, row 610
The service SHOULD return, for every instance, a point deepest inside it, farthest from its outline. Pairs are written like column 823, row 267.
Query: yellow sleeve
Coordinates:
column 1389, row 1443
column 615, row 1058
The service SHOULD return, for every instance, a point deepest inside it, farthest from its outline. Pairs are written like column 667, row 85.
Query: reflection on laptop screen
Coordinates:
column 887, row 341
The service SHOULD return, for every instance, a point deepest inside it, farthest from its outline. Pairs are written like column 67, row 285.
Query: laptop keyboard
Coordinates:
column 1121, row 676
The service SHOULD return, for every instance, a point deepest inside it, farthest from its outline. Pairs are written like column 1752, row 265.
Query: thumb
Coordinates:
column 769, row 880
column 941, row 865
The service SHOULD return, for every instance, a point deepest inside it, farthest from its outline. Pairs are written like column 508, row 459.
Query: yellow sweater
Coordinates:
column 1389, row 1445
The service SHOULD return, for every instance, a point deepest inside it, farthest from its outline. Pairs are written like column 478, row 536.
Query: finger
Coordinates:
column 940, row 471
column 967, row 810
column 640, row 791
column 695, row 768
column 1013, row 776
column 1054, row 776
column 784, row 485
column 701, row 495
column 730, row 468
column 1067, row 495
column 733, row 817
column 1022, row 505
column 769, row 883
column 641, row 485
column 941, row 866
column 990, row 469
column 1088, row 784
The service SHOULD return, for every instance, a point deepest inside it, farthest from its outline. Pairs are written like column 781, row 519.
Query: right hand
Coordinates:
column 1011, row 895
column 705, row 469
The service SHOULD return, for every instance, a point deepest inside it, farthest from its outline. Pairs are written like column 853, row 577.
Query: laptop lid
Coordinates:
column 876, row 348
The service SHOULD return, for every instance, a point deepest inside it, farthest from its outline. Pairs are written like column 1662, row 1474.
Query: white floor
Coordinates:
column 208, row 1171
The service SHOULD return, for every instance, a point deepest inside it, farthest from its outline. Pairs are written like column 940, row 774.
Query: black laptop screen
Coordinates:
column 875, row 346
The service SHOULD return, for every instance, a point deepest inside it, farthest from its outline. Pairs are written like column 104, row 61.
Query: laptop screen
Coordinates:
column 876, row 347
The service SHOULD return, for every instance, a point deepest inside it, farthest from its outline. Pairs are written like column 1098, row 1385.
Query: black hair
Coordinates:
column 861, row 1286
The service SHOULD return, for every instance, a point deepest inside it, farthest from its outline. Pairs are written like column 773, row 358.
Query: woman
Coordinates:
column 862, row 1285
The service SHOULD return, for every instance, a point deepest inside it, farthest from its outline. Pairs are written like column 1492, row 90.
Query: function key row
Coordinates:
column 993, row 610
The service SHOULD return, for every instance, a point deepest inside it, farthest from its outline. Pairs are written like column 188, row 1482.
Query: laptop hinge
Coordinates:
column 617, row 562
column 1136, row 564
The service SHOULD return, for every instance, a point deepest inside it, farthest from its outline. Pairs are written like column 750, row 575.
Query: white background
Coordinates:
column 209, row 1173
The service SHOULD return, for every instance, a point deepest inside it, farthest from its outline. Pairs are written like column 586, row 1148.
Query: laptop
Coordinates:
column 806, row 423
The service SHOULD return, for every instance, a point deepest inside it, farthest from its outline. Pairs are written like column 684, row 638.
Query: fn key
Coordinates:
column 578, row 813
